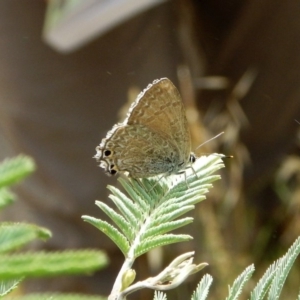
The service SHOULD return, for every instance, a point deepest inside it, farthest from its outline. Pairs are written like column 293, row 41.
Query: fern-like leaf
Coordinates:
column 283, row 269
column 127, row 207
column 6, row 197
column 298, row 298
column 201, row 292
column 156, row 207
column 6, row 286
column 123, row 225
column 137, row 193
column 113, row 233
column 41, row 264
column 239, row 283
column 156, row 230
column 169, row 213
column 56, row 296
column 16, row 235
column 160, row 240
column 264, row 283
column 159, row 296
column 14, row 169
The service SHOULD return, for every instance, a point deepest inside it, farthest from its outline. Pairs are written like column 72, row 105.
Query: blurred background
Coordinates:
column 68, row 67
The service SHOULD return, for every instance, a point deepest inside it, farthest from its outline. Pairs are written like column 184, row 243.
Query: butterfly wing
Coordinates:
column 154, row 138
column 159, row 107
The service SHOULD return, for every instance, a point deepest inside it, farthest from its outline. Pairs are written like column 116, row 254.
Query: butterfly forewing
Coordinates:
column 160, row 108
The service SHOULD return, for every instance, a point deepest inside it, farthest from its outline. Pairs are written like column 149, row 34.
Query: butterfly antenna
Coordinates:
column 210, row 140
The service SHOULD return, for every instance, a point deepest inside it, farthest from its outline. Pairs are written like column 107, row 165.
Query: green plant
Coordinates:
column 155, row 207
column 15, row 267
column 144, row 221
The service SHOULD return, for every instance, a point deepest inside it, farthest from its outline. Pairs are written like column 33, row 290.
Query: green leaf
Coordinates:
column 41, row 264
column 239, row 283
column 135, row 189
column 56, row 296
column 14, row 169
column 123, row 225
column 161, row 240
column 283, row 269
column 6, row 197
column 158, row 229
column 6, row 286
column 16, row 235
column 298, row 298
column 201, row 292
column 172, row 215
column 264, row 283
column 116, row 236
column 126, row 206
column 137, row 193
column 192, row 196
column 155, row 207
column 159, row 296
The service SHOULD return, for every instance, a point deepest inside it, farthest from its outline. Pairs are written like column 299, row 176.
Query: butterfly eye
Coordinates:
column 192, row 158
column 107, row 153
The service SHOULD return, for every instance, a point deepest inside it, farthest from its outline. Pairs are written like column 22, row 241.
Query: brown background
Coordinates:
column 58, row 107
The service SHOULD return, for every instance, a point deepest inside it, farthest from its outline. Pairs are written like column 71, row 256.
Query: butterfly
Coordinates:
column 154, row 138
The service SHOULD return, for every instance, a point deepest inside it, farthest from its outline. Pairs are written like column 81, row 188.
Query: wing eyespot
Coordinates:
column 112, row 170
column 107, row 153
